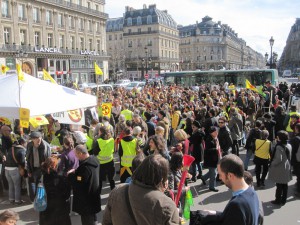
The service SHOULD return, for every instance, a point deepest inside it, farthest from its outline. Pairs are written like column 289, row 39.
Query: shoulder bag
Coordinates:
column 20, row 167
column 129, row 205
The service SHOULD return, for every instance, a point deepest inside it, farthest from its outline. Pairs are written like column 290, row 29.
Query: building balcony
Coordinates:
column 75, row 7
column 13, row 48
column 6, row 16
column 140, row 33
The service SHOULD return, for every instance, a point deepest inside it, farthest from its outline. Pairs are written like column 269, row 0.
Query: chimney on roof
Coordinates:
column 165, row 11
column 152, row 6
column 144, row 6
column 219, row 22
column 127, row 8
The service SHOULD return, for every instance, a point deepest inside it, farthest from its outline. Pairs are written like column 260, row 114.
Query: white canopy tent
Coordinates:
column 39, row 96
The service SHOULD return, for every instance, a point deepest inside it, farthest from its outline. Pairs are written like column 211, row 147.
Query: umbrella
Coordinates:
column 39, row 96
column 36, row 121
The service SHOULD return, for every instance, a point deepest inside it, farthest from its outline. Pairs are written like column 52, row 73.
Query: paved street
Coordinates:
column 203, row 199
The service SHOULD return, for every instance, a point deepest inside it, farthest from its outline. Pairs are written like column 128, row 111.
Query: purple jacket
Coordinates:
column 68, row 161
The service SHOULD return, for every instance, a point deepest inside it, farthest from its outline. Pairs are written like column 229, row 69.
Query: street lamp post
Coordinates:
column 146, row 62
column 21, row 54
column 273, row 55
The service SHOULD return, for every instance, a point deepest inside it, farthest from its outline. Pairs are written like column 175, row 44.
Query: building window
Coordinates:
column 60, row 20
column 36, row 38
column 129, row 31
column 36, row 15
column 81, row 43
column 48, row 17
column 139, row 20
column 89, row 5
column 89, row 25
column 149, row 19
column 61, row 41
column 22, row 37
column 129, row 21
column 98, row 27
column 90, row 44
column 97, row 7
column 72, row 42
column 50, row 40
column 109, row 37
column 129, row 43
column 116, row 37
column 21, row 12
column 81, row 24
column 149, row 29
column 4, row 8
column 121, row 36
column 7, row 32
column 98, row 45
column 149, row 42
column 71, row 22
column 139, row 30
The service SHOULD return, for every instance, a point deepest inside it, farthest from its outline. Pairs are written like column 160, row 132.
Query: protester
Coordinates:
column 295, row 159
column 85, row 185
column 280, row 168
column 15, row 159
column 149, row 180
column 38, row 150
column 58, row 192
column 9, row 217
column 243, row 208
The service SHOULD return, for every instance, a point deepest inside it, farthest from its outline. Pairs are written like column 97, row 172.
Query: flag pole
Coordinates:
column 97, row 81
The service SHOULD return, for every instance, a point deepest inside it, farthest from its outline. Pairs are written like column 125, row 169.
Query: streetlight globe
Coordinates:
column 266, row 56
column 271, row 41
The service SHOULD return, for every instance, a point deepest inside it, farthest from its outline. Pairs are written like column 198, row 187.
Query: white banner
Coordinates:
column 70, row 117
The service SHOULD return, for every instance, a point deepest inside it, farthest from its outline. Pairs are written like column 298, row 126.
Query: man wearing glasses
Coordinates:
column 224, row 136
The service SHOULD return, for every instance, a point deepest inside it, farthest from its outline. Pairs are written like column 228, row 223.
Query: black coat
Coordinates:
column 225, row 139
column 196, row 143
column 85, row 184
column 254, row 134
column 211, row 157
column 58, row 205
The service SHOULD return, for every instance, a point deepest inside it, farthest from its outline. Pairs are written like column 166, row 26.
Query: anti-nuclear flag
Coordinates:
column 4, row 69
column 98, row 70
column 47, row 76
column 106, row 109
column 250, row 86
column 20, row 73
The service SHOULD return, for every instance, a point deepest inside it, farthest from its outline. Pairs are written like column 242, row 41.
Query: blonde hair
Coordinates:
column 159, row 130
column 180, row 135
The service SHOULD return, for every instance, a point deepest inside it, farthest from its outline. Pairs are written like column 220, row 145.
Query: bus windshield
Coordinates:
column 236, row 77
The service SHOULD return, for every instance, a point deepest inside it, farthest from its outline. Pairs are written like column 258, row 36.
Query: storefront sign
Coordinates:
column 86, row 52
column 47, row 50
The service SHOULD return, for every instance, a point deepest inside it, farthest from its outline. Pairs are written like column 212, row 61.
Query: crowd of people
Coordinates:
column 149, row 131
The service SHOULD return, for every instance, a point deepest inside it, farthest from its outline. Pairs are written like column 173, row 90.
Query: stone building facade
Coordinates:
column 61, row 36
column 150, row 42
column 210, row 45
column 290, row 58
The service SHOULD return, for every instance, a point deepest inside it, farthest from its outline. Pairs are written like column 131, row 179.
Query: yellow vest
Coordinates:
column 262, row 148
column 127, row 113
column 288, row 128
column 89, row 142
column 100, row 113
column 129, row 152
column 107, row 150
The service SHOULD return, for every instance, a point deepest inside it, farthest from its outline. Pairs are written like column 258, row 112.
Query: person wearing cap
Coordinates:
column 287, row 121
column 85, row 184
column 212, row 155
column 38, row 150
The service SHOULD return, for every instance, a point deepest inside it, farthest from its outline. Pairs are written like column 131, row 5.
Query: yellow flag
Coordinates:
column 106, row 109
column 4, row 69
column 98, row 70
column 47, row 76
column 24, row 117
column 36, row 121
column 20, row 73
column 250, row 86
column 5, row 120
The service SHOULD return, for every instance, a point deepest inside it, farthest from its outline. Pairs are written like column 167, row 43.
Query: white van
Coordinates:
column 287, row 73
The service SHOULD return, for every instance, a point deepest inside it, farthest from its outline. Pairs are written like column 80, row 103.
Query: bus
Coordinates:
column 256, row 77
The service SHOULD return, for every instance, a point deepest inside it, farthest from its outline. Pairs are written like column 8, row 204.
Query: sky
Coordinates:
column 255, row 21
